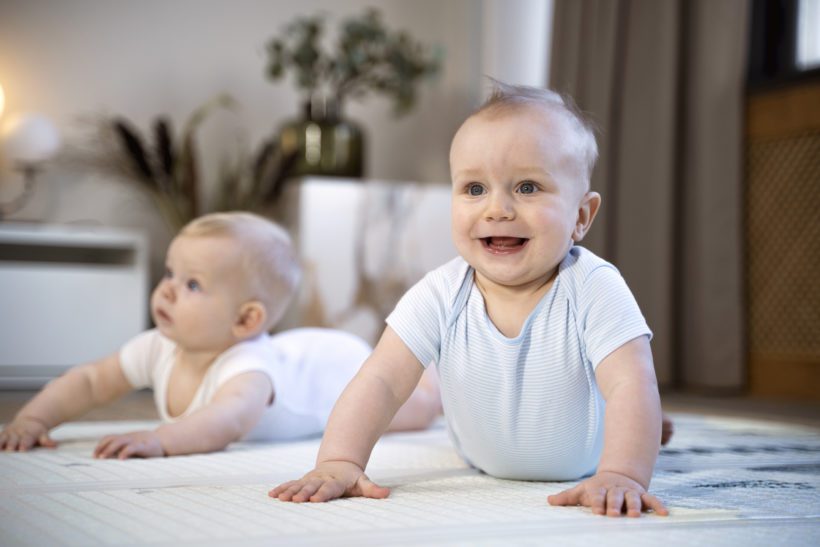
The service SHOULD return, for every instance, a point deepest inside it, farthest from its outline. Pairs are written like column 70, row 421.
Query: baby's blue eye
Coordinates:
column 475, row 189
column 193, row 285
column 527, row 188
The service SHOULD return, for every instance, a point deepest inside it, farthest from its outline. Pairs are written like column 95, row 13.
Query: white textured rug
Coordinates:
column 727, row 482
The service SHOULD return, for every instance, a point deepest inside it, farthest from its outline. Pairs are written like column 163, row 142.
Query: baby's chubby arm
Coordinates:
column 234, row 411
column 362, row 413
column 75, row 392
column 632, row 432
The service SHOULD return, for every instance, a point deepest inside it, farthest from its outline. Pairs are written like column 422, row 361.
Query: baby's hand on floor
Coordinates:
column 24, row 433
column 608, row 493
column 143, row 444
column 330, row 480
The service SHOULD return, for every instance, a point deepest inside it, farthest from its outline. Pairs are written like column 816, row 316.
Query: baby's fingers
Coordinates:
column 309, row 487
column 47, row 441
column 571, row 496
column 369, row 489
column 274, row 493
column 329, row 490
column 596, row 500
column 653, row 503
column 10, row 442
column 109, row 447
column 130, row 449
column 26, row 442
column 614, row 502
column 20, row 442
column 101, row 446
column 290, row 489
column 633, row 503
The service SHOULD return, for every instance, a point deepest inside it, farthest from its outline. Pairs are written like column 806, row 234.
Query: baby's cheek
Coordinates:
column 153, row 301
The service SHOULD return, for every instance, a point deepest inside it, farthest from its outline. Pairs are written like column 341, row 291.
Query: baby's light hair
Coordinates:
column 269, row 262
column 506, row 97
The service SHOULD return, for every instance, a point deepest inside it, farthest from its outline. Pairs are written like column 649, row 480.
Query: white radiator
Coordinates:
column 68, row 295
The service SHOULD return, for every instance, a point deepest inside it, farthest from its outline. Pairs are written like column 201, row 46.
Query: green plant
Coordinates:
column 367, row 58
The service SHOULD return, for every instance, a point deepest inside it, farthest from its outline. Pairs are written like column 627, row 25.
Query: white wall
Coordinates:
column 517, row 36
column 143, row 58
column 148, row 57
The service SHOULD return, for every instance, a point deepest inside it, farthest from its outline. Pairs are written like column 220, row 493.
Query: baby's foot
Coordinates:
column 667, row 429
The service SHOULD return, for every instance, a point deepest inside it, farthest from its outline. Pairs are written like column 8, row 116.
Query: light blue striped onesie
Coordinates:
column 528, row 407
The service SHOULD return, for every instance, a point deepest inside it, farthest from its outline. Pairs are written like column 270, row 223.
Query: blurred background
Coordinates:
column 708, row 116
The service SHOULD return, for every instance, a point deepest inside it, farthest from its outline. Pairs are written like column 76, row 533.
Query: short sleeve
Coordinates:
column 249, row 356
column 608, row 314
column 254, row 355
column 140, row 356
column 419, row 317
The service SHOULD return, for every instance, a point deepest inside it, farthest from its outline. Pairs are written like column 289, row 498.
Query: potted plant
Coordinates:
column 367, row 58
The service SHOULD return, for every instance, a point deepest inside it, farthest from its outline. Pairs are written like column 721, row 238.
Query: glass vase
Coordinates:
column 324, row 141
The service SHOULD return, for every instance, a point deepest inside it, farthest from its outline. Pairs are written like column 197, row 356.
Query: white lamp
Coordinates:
column 27, row 140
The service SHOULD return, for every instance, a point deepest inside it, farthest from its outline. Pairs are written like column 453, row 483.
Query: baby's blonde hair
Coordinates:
column 268, row 260
column 506, row 97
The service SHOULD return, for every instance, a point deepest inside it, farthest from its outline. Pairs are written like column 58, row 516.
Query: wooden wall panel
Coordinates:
column 783, row 242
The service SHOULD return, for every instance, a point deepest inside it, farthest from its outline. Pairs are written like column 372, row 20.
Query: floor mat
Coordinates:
column 726, row 481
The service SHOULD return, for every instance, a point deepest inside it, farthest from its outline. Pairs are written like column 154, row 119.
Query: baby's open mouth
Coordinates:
column 499, row 243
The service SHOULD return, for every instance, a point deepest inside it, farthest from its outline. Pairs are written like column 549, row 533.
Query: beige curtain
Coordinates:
column 664, row 81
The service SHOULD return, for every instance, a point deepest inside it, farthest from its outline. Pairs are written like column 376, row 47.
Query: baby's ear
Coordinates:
column 251, row 321
column 590, row 204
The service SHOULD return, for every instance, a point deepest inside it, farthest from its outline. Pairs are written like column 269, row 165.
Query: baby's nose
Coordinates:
column 499, row 207
column 166, row 289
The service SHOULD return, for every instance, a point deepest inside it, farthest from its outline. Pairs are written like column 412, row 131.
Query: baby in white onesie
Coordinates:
column 217, row 375
column 542, row 352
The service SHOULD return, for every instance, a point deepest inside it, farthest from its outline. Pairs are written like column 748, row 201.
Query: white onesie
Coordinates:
column 526, row 407
column 308, row 367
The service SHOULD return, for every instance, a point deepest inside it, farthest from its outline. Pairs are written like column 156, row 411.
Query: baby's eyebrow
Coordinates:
column 539, row 173
column 531, row 169
column 195, row 274
column 468, row 173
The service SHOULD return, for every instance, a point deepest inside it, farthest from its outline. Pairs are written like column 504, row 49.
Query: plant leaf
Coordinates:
column 134, row 150
column 165, row 145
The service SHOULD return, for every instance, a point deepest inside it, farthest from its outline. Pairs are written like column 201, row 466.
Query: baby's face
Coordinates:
column 199, row 299
column 516, row 192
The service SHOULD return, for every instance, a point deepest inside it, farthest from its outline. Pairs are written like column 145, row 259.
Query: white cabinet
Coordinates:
column 68, row 295
column 363, row 243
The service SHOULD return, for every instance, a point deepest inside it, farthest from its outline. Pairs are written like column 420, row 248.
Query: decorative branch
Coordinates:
column 134, row 149
column 169, row 169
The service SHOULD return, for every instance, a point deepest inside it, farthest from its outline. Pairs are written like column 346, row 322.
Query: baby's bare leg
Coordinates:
column 423, row 406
